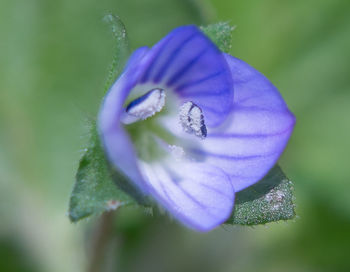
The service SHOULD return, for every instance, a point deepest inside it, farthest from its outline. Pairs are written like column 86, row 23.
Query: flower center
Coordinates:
column 192, row 119
column 153, row 140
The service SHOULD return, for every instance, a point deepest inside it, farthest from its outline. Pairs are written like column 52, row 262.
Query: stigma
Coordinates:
column 192, row 119
column 144, row 106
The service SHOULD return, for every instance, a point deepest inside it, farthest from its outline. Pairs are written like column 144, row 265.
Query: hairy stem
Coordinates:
column 100, row 238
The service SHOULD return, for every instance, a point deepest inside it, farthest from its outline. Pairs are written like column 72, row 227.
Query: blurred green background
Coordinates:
column 54, row 58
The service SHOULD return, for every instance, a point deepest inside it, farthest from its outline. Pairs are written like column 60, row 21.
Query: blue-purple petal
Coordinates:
column 189, row 64
column 198, row 195
column 256, row 132
column 117, row 144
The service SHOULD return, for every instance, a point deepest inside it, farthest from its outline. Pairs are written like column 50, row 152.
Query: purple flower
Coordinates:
column 190, row 126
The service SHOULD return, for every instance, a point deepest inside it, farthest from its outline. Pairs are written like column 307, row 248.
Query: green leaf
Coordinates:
column 95, row 187
column 270, row 200
column 220, row 34
column 122, row 49
column 95, row 190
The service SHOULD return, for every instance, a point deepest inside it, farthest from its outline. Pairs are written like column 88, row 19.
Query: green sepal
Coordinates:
column 95, row 190
column 221, row 34
column 121, row 50
column 269, row 200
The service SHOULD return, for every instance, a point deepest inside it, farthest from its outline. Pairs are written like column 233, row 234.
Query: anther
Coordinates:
column 192, row 119
column 147, row 105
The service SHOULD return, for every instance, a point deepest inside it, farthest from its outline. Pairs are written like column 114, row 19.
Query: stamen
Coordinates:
column 145, row 106
column 192, row 119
